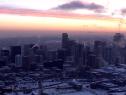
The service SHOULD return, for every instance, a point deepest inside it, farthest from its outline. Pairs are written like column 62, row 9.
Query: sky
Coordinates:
column 54, row 16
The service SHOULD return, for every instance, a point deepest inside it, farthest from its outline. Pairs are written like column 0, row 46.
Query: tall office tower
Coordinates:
column 5, row 55
column 91, row 60
column 5, row 52
column 99, row 50
column 27, row 49
column 67, row 44
column 18, row 60
column 38, row 59
column 61, row 54
column 119, row 44
column 35, row 49
column 26, row 62
column 78, row 54
column 118, row 37
column 99, row 47
column 52, row 55
column 15, row 50
column 108, row 56
column 65, row 40
column 2, row 63
column 72, row 44
column 119, row 40
column 94, row 61
column 87, row 50
column 124, row 54
column 43, row 52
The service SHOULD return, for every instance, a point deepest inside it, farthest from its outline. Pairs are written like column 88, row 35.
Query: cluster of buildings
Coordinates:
column 87, row 54
column 95, row 54
column 90, row 61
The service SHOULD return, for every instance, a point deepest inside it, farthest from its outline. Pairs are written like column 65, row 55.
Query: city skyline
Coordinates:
column 64, row 15
column 89, row 68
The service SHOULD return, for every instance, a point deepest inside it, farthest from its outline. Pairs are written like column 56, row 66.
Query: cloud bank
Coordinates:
column 79, row 5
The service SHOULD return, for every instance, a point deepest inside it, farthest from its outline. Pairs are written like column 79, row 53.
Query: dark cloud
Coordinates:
column 123, row 11
column 79, row 5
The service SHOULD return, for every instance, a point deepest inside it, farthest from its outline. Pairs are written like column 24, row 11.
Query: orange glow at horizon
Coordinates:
column 16, row 22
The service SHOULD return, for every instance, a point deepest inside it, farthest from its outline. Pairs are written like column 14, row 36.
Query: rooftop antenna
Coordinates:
column 121, row 22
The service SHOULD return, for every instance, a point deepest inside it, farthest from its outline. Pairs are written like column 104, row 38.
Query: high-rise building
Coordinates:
column 35, row 49
column 18, row 60
column 5, row 55
column 2, row 63
column 27, row 49
column 108, row 56
column 67, row 44
column 52, row 55
column 61, row 54
column 78, row 54
column 119, row 40
column 5, row 52
column 91, row 60
column 118, row 37
column 26, row 62
column 65, row 40
column 99, row 47
column 15, row 50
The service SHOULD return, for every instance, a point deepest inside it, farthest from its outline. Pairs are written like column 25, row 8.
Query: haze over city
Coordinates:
column 49, row 17
column 62, row 47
